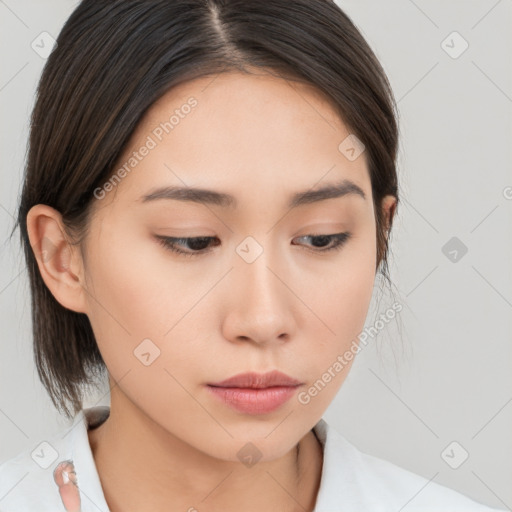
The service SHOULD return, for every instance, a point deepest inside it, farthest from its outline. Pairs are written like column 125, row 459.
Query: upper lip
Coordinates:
column 257, row 380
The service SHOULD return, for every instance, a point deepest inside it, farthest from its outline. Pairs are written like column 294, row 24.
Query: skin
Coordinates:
column 65, row 478
column 260, row 139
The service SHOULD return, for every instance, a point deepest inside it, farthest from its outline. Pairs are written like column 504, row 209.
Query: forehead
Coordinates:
column 243, row 134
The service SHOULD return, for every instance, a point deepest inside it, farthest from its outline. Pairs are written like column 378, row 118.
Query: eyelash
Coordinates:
column 170, row 243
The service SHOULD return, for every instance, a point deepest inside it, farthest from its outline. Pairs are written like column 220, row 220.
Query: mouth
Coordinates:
column 257, row 380
column 252, row 393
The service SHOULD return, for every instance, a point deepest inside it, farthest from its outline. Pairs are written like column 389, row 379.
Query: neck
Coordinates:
column 144, row 467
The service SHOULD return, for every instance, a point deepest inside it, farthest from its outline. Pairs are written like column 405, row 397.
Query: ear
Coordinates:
column 389, row 207
column 60, row 263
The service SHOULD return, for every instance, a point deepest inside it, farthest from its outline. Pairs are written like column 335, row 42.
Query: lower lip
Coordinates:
column 254, row 401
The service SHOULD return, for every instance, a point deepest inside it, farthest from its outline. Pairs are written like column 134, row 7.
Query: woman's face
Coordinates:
column 260, row 295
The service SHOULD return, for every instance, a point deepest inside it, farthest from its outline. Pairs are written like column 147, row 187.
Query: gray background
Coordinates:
column 450, row 379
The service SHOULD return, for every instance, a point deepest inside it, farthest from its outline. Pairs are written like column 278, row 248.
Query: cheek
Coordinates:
column 340, row 291
column 130, row 285
column 126, row 295
column 342, row 303
column 140, row 304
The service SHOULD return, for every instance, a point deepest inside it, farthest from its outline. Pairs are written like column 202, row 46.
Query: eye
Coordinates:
column 198, row 245
column 321, row 242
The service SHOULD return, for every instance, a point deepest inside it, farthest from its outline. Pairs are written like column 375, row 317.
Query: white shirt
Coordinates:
column 351, row 481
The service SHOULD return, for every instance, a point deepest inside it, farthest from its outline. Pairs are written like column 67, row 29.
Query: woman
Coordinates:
column 209, row 194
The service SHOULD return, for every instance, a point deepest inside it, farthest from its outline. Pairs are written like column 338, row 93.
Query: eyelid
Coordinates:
column 171, row 243
column 340, row 240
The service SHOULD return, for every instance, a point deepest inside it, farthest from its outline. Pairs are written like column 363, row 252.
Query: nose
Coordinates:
column 261, row 305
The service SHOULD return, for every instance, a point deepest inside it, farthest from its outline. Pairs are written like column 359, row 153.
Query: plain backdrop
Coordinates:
column 435, row 381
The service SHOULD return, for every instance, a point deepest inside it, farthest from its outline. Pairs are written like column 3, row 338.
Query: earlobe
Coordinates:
column 59, row 262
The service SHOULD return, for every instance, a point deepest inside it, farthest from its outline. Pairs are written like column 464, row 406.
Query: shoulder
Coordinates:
column 27, row 479
column 43, row 477
column 360, row 481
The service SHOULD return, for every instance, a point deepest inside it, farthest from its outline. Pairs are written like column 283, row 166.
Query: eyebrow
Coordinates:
column 212, row 197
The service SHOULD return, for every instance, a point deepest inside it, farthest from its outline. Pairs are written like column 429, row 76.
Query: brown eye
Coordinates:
column 196, row 245
column 321, row 242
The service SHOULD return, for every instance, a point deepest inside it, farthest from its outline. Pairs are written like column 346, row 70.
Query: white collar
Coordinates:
column 351, row 481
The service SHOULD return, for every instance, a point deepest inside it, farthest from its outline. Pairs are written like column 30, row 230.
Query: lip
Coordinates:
column 257, row 380
column 253, row 393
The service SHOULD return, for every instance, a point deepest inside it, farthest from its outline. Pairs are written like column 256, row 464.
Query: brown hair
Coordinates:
column 113, row 59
